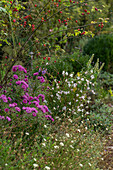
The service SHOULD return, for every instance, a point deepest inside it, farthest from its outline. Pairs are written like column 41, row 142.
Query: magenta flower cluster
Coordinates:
column 19, row 67
column 27, row 103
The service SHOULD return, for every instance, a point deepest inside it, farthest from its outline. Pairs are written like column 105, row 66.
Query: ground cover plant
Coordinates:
column 53, row 112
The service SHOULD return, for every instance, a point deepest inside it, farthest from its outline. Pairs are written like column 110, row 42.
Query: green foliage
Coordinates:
column 101, row 47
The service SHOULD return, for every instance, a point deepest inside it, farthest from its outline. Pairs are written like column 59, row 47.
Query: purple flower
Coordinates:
column 2, row 117
column 41, row 108
column 0, row 87
column 18, row 82
column 15, row 76
column 30, row 98
column 35, row 74
column 8, row 118
column 20, row 68
column 42, row 96
column 6, row 109
column 18, row 109
column 46, row 108
column 50, row 117
column 9, row 99
column 34, row 110
column 14, row 69
column 12, row 105
column 24, row 101
column 34, row 114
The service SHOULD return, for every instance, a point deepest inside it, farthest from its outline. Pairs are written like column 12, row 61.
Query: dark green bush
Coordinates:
column 102, row 47
column 70, row 63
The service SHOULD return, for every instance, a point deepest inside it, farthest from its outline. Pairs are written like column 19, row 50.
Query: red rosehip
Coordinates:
column 55, row 61
column 61, row 12
column 6, row 57
column 85, row 10
column 35, row 5
column 82, row 13
column 78, row 29
column 44, row 58
column 58, row 81
column 66, row 23
column 44, row 45
column 99, row 25
column 76, row 21
column 14, row 20
column 88, row 13
column 49, row 58
column 96, row 9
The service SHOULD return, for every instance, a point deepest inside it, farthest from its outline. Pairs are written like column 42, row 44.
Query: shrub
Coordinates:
column 102, row 47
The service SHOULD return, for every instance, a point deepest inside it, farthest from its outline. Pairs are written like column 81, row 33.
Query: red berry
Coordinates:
column 76, row 21
column 44, row 45
column 44, row 58
column 99, row 25
column 82, row 13
column 85, row 10
column 6, row 57
column 58, row 81
column 96, row 9
column 35, row 5
column 55, row 61
column 14, row 20
column 88, row 13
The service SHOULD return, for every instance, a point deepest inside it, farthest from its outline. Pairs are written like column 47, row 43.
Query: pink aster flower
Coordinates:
column 8, row 118
column 18, row 109
column 35, row 74
column 6, row 109
column 15, row 76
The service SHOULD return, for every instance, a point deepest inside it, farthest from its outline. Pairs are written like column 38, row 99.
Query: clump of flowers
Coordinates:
column 20, row 100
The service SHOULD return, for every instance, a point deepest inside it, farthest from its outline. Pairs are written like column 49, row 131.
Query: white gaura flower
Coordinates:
column 27, row 133
column 35, row 165
column 81, row 165
column 56, row 147
column 67, row 134
column 64, row 108
column 34, row 159
column 47, row 167
column 89, row 164
column 71, row 75
column 61, row 144
column 82, row 79
column 92, row 77
column 45, row 126
column 66, row 73
column 43, row 144
column 71, row 147
column 63, row 73
column 77, row 95
column 74, row 85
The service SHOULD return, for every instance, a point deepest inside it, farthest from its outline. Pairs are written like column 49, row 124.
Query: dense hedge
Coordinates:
column 102, row 47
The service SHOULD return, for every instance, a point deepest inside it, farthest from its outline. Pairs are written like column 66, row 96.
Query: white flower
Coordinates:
column 71, row 75
column 27, row 133
column 45, row 126
column 77, row 95
column 35, row 165
column 91, row 71
column 34, row 159
column 89, row 164
column 43, row 144
column 82, row 79
column 69, row 85
column 92, row 77
column 74, row 85
column 78, row 150
column 71, row 146
column 61, row 144
column 66, row 73
column 67, row 135
column 69, row 103
column 46, row 63
column 63, row 73
column 64, row 108
column 6, row 164
column 81, row 165
column 78, row 130
column 56, row 147
column 70, row 120
column 46, row 167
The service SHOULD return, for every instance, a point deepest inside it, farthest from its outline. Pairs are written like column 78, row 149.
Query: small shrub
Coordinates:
column 102, row 47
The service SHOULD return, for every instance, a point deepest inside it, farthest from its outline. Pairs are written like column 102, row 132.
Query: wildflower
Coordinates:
column 6, row 109
column 35, row 74
column 2, row 117
column 8, row 118
column 15, row 76
column 35, row 165
column 61, row 144
column 9, row 98
column 24, row 101
column 27, row 133
column 67, row 135
column 81, row 165
column 18, row 109
column 46, row 167
column 71, row 146
column 56, row 147
column 34, row 159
